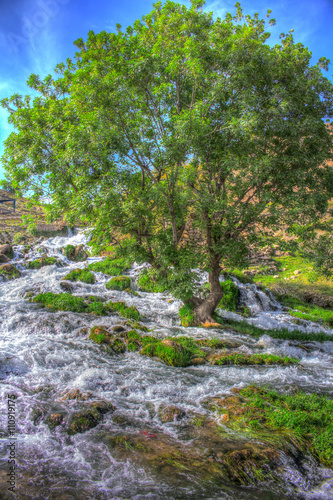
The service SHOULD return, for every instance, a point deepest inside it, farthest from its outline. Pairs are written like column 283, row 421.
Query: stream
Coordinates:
column 44, row 355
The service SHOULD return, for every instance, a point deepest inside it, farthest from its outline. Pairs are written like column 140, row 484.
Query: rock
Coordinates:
column 66, row 286
column 4, row 259
column 7, row 250
column 9, row 271
column 54, row 420
column 80, row 254
column 198, row 361
column 298, row 271
column 170, row 413
column 118, row 329
column 75, row 394
column 88, row 418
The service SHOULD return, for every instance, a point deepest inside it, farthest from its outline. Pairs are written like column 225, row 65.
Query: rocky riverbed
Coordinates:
column 94, row 423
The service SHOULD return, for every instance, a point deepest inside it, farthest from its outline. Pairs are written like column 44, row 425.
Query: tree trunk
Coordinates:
column 204, row 311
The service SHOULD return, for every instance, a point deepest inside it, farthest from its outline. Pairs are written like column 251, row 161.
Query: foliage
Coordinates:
column 150, row 281
column 186, row 152
column 127, row 312
column 81, row 275
column 68, row 251
column 119, row 283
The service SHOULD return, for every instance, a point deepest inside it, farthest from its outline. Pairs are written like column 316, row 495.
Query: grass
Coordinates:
column 253, row 359
column 186, row 315
column 307, row 417
column 110, row 266
column 247, row 329
column 81, row 275
column 229, row 300
column 41, row 262
column 68, row 302
column 119, row 283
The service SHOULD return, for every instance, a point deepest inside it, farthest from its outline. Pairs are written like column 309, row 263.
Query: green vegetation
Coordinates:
column 9, row 271
column 186, row 314
column 307, row 418
column 69, row 251
column 68, row 302
column 81, row 275
column 252, row 359
column 254, row 331
column 90, row 417
column 110, row 266
column 127, row 312
column 119, row 283
column 41, row 262
column 229, row 300
column 150, row 281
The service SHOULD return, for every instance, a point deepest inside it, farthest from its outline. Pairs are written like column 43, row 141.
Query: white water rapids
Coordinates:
column 43, row 355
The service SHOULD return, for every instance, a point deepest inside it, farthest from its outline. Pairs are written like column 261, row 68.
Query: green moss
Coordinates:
column 254, row 331
column 133, row 346
column 254, row 359
column 9, row 271
column 98, row 335
column 150, row 281
column 306, row 417
column 69, row 251
column 41, row 262
column 112, row 267
column 81, row 275
column 178, row 351
column 133, row 335
column 186, row 315
column 229, row 300
column 119, row 283
column 127, row 312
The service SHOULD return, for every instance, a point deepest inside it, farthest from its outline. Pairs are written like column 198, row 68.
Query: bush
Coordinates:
column 150, row 281
column 112, row 267
column 186, row 315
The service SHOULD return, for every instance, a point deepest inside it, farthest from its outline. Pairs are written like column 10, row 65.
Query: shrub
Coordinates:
column 112, row 267
column 229, row 300
column 150, row 281
column 186, row 315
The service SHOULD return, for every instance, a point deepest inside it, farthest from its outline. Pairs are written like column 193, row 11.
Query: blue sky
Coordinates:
column 35, row 35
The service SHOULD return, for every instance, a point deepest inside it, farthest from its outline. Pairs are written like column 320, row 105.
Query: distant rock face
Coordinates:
column 7, row 250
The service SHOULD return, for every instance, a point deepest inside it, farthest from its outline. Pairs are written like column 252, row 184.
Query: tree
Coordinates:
column 192, row 136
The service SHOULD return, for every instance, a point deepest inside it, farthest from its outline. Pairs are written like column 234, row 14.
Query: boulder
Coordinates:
column 66, row 286
column 75, row 253
column 7, row 250
column 4, row 259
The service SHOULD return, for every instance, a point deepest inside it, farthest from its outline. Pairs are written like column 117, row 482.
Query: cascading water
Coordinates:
column 45, row 355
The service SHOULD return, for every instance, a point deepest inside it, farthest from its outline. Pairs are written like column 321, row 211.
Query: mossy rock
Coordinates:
column 75, row 394
column 110, row 266
column 90, row 417
column 75, row 253
column 42, row 262
column 237, row 358
column 9, row 271
column 99, row 335
column 119, row 283
column 54, row 419
column 170, row 413
column 4, row 259
column 81, row 275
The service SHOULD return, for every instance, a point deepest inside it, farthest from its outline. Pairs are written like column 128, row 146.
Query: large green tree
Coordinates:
column 191, row 136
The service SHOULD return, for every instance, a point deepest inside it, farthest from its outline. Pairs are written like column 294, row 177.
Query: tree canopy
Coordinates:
column 184, row 138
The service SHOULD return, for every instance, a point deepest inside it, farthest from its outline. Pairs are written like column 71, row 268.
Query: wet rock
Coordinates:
column 75, row 253
column 90, row 417
column 75, row 394
column 9, row 271
column 66, row 286
column 198, row 361
column 170, row 413
column 36, row 289
column 7, row 250
column 54, row 420
column 3, row 259
column 118, row 329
